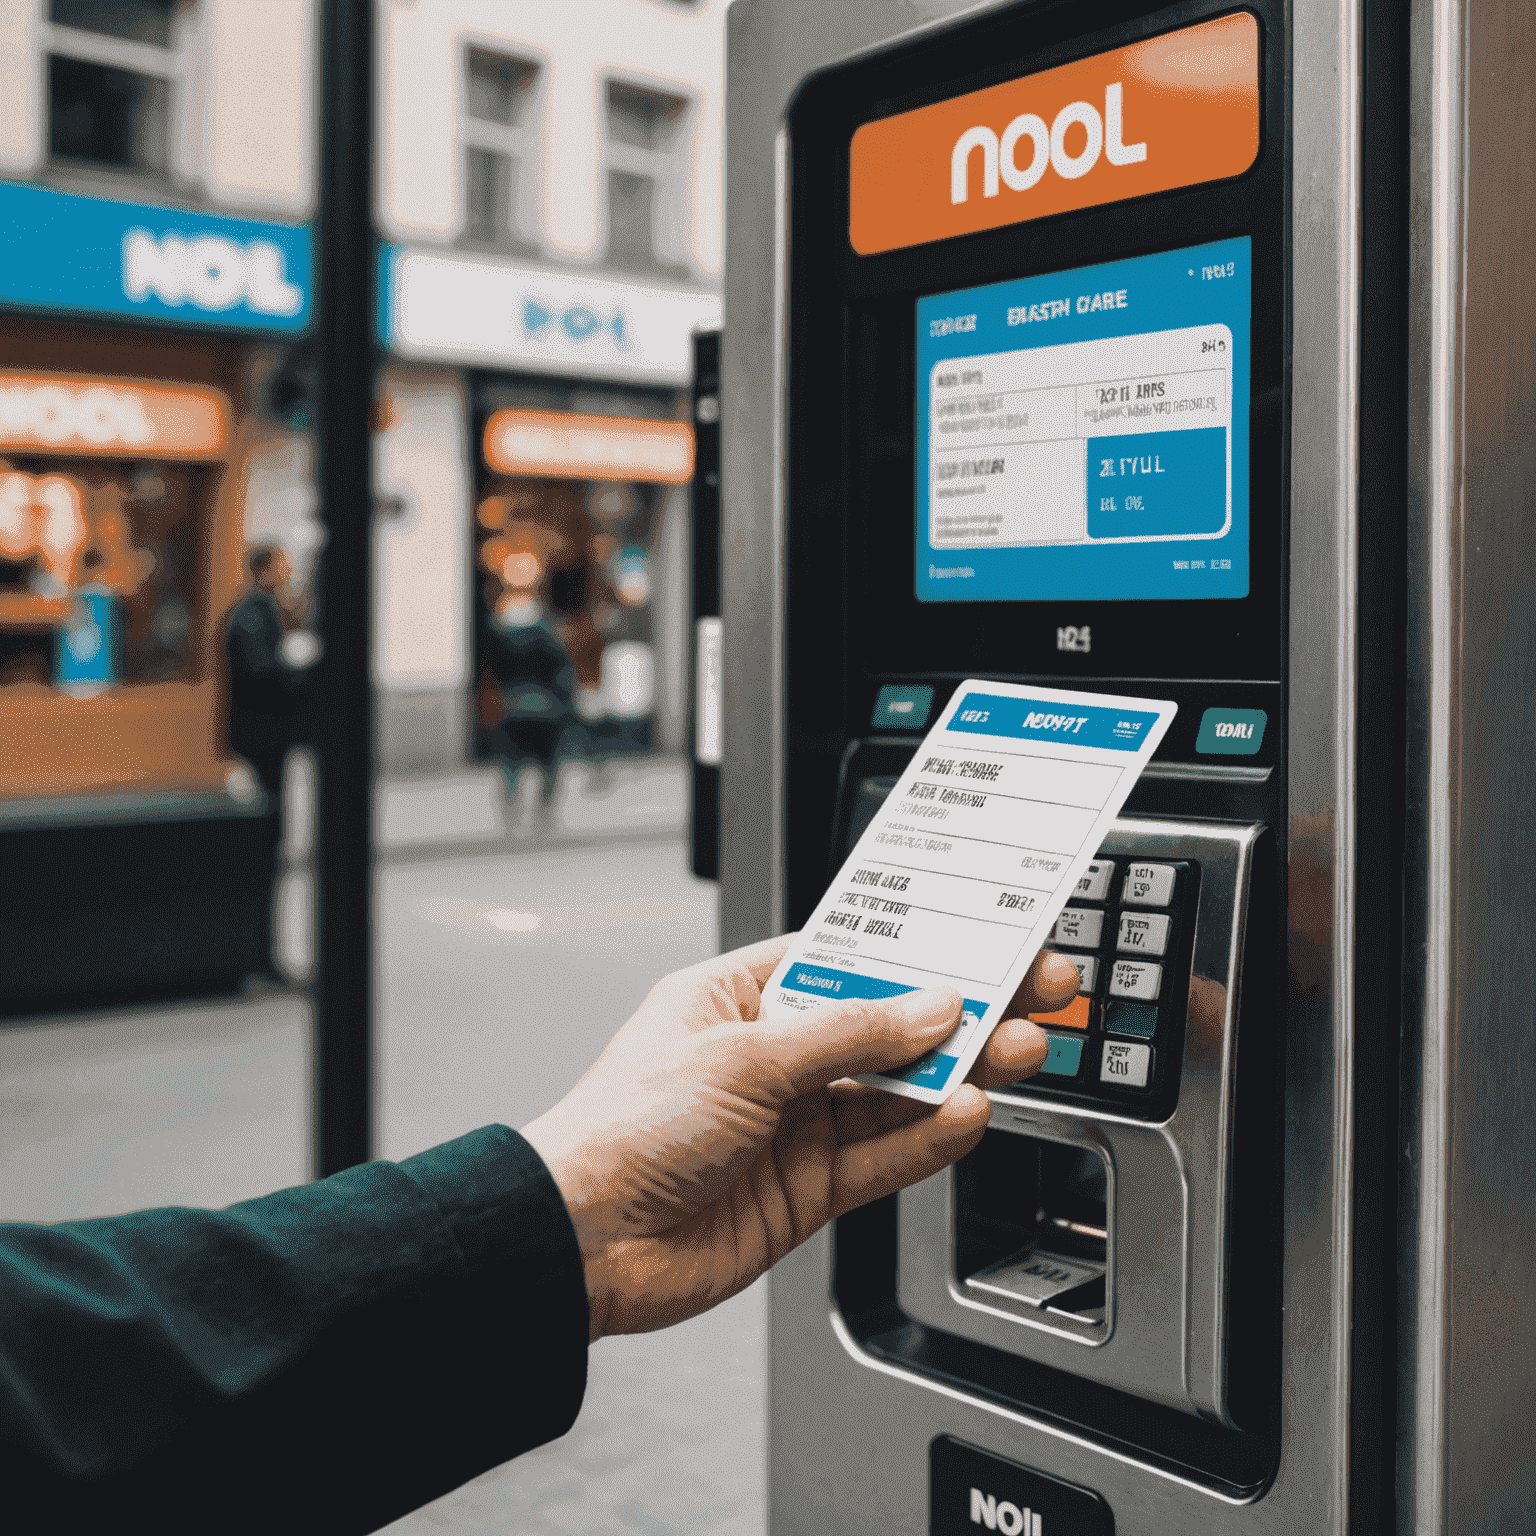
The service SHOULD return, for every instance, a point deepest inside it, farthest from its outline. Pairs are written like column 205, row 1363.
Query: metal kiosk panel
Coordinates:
column 879, row 1351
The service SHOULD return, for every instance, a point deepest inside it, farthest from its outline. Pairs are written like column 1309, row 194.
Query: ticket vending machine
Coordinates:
column 1126, row 346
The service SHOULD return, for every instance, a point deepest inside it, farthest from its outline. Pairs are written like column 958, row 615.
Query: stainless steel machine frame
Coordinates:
column 848, row 1430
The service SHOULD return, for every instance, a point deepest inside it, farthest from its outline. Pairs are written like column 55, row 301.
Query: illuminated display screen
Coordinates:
column 1084, row 435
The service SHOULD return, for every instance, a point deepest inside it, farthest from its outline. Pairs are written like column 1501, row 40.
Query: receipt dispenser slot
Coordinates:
column 1032, row 1225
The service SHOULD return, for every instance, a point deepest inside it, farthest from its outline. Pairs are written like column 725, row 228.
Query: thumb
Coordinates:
column 863, row 1035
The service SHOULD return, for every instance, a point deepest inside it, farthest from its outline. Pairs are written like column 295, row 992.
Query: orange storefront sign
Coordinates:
column 126, row 418
column 570, row 447
column 1173, row 111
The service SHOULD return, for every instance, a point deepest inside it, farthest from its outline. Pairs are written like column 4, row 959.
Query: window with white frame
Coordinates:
column 115, row 73
column 500, row 112
column 646, row 169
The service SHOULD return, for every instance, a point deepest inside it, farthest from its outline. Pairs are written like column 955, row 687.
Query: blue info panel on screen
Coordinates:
column 1084, row 436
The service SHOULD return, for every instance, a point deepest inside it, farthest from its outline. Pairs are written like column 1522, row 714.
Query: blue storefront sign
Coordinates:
column 91, row 255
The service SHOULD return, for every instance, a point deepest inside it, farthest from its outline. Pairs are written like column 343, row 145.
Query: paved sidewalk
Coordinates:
column 475, row 808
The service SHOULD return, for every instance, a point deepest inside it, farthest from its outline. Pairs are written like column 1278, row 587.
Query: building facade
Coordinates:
column 549, row 180
column 156, row 279
column 156, row 180
column 548, row 195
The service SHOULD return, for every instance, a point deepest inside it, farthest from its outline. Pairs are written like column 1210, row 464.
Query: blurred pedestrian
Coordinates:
column 270, row 657
column 526, row 700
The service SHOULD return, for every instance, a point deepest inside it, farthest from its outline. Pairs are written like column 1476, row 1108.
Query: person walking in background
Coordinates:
column 525, row 702
column 269, row 655
column 526, row 684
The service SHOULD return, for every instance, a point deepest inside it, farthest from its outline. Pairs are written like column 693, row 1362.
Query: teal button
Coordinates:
column 903, row 707
column 1064, row 1057
column 1123, row 1018
column 1234, row 732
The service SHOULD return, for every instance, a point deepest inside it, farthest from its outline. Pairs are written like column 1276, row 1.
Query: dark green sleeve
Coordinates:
column 323, row 1359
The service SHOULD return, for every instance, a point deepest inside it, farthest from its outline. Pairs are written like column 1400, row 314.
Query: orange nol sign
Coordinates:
column 572, row 447
column 1173, row 111
column 121, row 418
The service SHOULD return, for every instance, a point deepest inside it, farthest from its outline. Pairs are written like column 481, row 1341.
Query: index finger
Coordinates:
column 1050, row 983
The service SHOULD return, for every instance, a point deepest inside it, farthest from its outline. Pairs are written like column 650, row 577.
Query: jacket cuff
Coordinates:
column 508, row 1219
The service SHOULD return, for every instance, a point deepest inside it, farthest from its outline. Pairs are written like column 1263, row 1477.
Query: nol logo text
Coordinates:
column 1102, row 135
column 209, row 272
column 1000, row 1515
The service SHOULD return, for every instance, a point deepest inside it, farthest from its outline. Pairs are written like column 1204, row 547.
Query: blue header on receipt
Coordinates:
column 988, row 714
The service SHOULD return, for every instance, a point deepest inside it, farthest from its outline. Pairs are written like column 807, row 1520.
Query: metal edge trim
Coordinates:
column 1208, row 773
column 1437, row 257
column 778, row 704
column 1326, row 65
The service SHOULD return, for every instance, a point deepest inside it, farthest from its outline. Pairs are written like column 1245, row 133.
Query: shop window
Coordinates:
column 646, row 168
column 500, row 101
column 113, row 71
column 119, row 536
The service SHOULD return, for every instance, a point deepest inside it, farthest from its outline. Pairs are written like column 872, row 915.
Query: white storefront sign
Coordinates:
column 456, row 309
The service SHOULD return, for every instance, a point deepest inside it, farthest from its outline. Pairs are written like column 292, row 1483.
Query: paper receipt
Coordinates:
column 961, row 874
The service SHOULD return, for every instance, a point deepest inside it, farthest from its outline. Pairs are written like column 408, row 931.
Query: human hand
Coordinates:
column 705, row 1143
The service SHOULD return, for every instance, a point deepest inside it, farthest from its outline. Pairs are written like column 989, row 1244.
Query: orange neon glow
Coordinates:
column 43, row 517
column 125, row 418
column 567, row 447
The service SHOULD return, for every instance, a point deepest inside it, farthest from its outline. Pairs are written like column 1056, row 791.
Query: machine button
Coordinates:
column 1144, row 933
column 1094, row 886
column 1087, row 971
column 1073, row 1016
column 1126, row 1066
column 1064, row 1057
column 1079, row 926
column 1132, row 979
column 1148, row 885
column 902, row 706
column 1123, row 1018
column 1233, row 732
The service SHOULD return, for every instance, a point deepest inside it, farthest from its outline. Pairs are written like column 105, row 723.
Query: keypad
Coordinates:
column 1094, row 886
column 1087, row 972
column 1129, row 930
column 1143, row 933
column 1148, row 885
column 1126, row 1066
column 1132, row 978
column 1081, row 927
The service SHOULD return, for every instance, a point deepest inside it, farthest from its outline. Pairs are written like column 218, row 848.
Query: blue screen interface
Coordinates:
column 1084, row 435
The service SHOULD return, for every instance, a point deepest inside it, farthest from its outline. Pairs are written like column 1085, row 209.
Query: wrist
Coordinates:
column 566, row 1168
